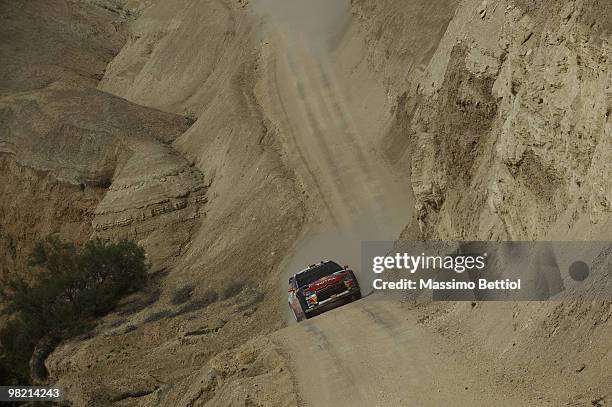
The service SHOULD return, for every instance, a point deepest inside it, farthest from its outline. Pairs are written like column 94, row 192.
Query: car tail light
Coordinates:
column 311, row 299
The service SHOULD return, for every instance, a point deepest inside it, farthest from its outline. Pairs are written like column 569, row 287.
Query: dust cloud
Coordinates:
column 319, row 23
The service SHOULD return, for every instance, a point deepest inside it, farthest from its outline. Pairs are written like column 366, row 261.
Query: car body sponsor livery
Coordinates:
column 321, row 287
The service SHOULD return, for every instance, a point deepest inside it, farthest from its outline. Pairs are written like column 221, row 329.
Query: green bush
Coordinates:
column 70, row 287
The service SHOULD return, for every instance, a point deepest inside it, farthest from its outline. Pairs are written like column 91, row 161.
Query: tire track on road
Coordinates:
column 288, row 125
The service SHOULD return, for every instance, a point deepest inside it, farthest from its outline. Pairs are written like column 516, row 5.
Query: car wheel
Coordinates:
column 298, row 318
column 356, row 296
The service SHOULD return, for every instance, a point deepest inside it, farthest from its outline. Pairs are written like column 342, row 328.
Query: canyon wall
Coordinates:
column 512, row 104
column 504, row 133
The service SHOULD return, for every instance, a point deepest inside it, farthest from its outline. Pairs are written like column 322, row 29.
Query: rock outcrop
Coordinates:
column 76, row 144
column 513, row 104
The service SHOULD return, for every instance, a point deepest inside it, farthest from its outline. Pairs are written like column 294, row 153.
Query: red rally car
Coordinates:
column 321, row 287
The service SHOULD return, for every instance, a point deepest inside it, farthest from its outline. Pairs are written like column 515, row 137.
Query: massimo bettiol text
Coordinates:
column 458, row 264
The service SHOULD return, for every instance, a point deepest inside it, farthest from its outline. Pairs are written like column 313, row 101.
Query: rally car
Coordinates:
column 321, row 287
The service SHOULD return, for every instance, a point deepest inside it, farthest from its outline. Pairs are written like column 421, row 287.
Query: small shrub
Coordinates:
column 160, row 315
column 232, row 289
column 71, row 287
column 253, row 298
column 146, row 297
column 182, row 295
column 199, row 303
column 141, row 301
column 190, row 117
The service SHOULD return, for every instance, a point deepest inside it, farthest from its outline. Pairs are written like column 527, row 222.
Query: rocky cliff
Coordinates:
column 510, row 101
column 70, row 44
column 503, row 127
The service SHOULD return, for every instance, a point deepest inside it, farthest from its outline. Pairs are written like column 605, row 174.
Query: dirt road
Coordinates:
column 372, row 353
column 368, row 353
column 363, row 354
column 353, row 194
column 344, row 172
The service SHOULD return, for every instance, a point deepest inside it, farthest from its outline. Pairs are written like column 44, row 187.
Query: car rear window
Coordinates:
column 317, row 272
